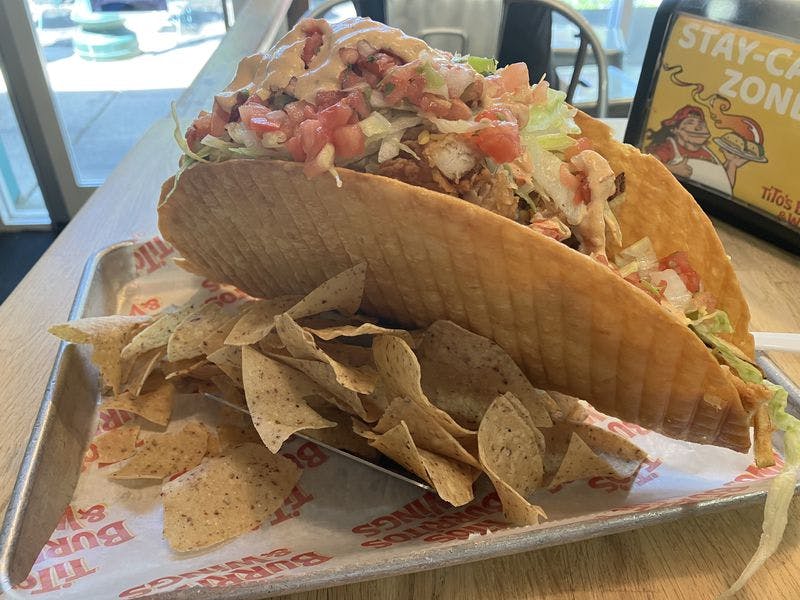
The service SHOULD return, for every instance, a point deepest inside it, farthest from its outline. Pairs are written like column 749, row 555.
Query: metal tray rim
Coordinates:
column 522, row 540
column 22, row 486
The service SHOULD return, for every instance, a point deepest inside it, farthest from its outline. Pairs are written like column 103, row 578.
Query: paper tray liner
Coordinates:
column 570, row 323
column 343, row 522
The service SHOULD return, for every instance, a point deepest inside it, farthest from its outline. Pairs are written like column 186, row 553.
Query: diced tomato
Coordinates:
column 358, row 103
column 326, row 98
column 539, row 94
column 500, row 141
column 679, row 262
column 312, row 45
column 435, row 105
column 577, row 183
column 350, row 79
column 335, row 116
column 372, row 79
column 248, row 111
column 313, row 136
column 379, row 63
column 404, row 83
column 581, row 144
column 458, row 110
column 509, row 79
column 219, row 118
column 299, row 111
column 348, row 141
column 496, row 113
column 255, row 99
column 295, row 148
column 199, row 129
column 349, row 56
column 276, row 120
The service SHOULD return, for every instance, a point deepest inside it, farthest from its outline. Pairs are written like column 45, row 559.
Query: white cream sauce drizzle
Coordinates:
column 272, row 72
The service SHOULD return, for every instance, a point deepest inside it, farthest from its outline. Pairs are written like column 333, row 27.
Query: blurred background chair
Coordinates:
column 526, row 36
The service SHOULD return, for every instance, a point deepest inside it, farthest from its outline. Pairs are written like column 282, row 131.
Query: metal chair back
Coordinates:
column 587, row 38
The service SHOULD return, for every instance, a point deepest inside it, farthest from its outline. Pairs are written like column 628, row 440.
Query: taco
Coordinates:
column 475, row 197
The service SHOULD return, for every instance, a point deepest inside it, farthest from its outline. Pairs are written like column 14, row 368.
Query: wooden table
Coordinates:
column 695, row 557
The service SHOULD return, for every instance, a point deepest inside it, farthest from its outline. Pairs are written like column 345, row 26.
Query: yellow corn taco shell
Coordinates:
column 656, row 205
column 570, row 323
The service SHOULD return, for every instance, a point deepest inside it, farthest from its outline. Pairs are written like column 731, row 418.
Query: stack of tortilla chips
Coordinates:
column 444, row 404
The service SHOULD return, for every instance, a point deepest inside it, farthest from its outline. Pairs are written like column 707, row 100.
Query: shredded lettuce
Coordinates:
column 781, row 490
column 390, row 146
column 181, row 140
column 405, row 148
column 551, row 123
column 639, row 256
column 714, row 322
column 434, row 82
column 458, row 126
column 484, row 66
column 375, row 124
column 250, row 152
column 727, row 352
column 215, row 142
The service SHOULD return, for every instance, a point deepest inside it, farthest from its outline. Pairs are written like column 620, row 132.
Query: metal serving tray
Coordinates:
column 63, row 428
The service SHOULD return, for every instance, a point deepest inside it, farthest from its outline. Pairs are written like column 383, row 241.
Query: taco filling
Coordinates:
column 361, row 95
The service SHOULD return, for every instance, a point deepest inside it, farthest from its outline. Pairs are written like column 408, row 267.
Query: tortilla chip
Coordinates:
column 216, row 339
column 167, row 453
column 509, row 447
column 184, row 343
column 332, row 318
column 579, row 451
column 516, row 509
column 349, row 354
column 231, row 435
column 330, row 333
column 258, row 320
column 108, row 336
column 451, row 479
column 462, row 373
column 198, row 369
column 323, row 375
column 229, row 391
column 117, row 444
column 225, row 496
column 229, row 360
column 157, row 333
column 426, row 432
column 301, row 344
column 342, row 293
column 213, row 445
column 569, row 408
column 140, row 368
column 400, row 376
column 342, row 435
column 154, row 406
column 274, row 394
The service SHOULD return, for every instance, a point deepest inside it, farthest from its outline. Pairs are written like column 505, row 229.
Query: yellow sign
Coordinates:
column 726, row 114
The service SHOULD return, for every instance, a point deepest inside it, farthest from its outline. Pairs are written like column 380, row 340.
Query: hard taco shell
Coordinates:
column 570, row 323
